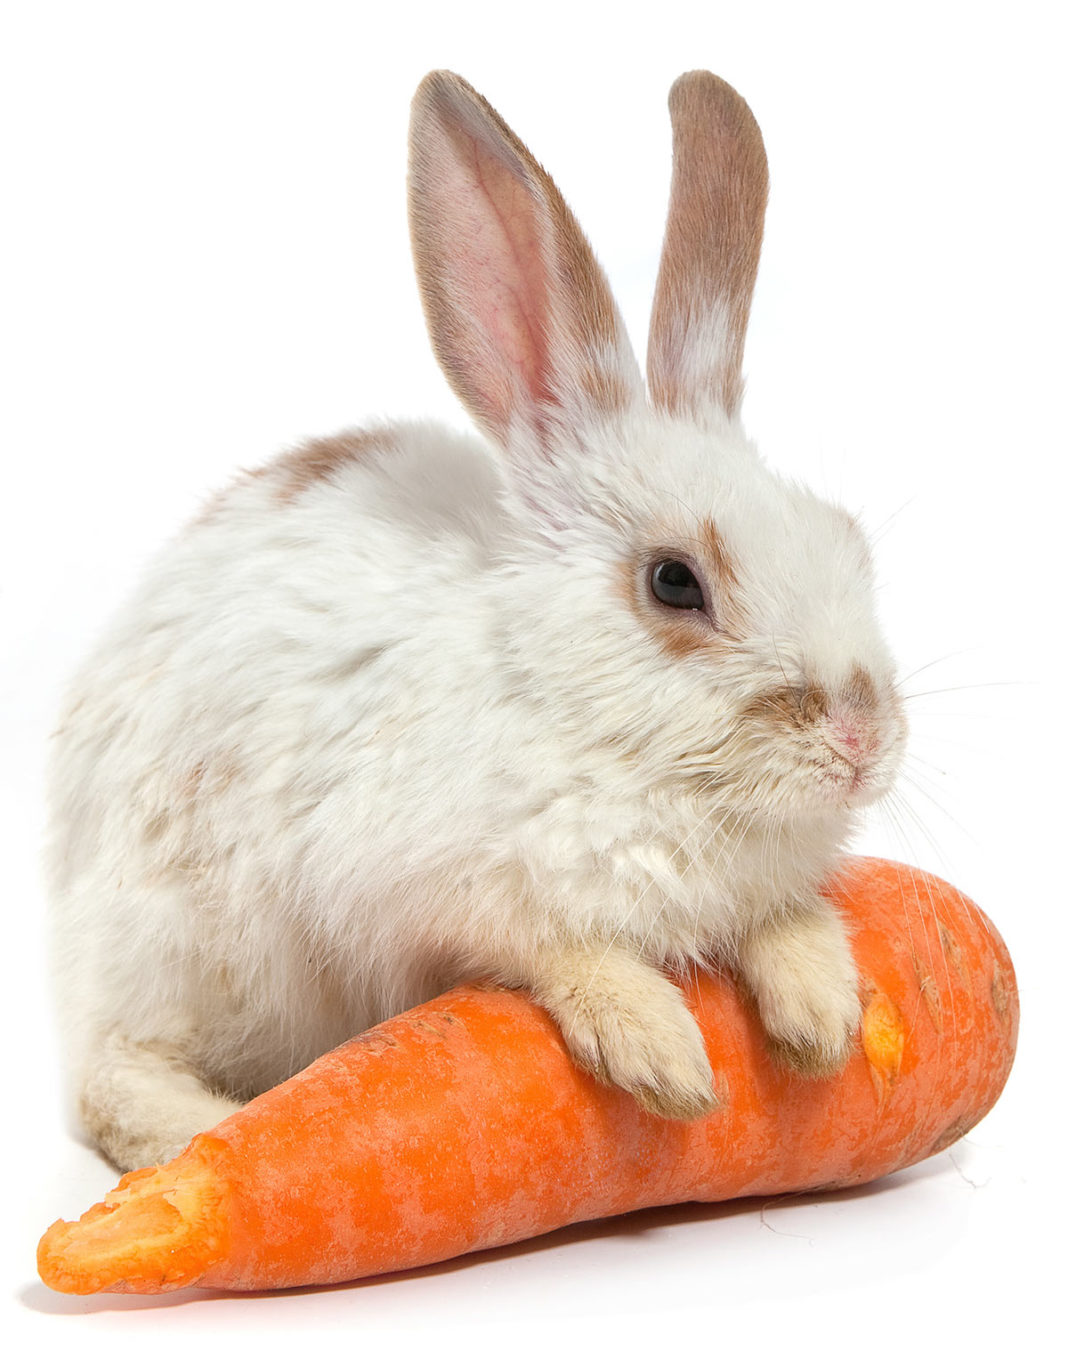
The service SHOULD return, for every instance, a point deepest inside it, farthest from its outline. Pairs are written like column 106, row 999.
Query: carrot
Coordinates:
column 464, row 1125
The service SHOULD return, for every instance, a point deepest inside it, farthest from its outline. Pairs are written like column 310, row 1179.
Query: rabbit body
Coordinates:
column 399, row 709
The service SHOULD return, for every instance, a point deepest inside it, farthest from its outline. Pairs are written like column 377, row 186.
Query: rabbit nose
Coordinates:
column 851, row 735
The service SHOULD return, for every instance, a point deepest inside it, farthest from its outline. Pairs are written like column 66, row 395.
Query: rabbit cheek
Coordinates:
column 679, row 635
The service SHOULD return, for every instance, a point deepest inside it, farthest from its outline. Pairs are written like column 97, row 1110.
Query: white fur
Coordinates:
column 349, row 745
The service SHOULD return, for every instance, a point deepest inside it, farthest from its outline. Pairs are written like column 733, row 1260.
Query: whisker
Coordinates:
column 887, row 522
column 952, row 655
column 910, row 778
column 962, row 688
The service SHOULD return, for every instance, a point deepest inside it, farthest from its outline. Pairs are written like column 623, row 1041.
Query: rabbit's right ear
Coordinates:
column 520, row 316
column 719, row 189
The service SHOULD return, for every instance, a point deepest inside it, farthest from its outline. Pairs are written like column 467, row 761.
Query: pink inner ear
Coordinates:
column 490, row 257
column 514, row 290
column 519, row 312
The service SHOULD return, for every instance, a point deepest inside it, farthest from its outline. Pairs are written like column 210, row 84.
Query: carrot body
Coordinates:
column 463, row 1124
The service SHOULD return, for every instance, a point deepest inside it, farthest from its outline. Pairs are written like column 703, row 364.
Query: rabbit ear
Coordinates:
column 520, row 315
column 719, row 189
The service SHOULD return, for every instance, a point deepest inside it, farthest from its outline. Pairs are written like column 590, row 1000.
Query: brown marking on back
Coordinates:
column 715, row 225
column 296, row 470
column 319, row 460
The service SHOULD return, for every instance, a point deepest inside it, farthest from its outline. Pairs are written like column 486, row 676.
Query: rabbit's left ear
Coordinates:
column 519, row 312
column 719, row 189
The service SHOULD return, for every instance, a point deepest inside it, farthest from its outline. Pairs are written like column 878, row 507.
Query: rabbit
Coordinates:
column 572, row 705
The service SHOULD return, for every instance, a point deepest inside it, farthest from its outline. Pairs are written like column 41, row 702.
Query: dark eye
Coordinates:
column 676, row 585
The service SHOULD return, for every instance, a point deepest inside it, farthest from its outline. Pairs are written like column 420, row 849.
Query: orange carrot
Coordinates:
column 464, row 1125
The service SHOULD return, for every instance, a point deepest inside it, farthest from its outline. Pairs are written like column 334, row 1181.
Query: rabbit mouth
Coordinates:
column 816, row 781
column 850, row 783
column 853, row 783
column 767, row 765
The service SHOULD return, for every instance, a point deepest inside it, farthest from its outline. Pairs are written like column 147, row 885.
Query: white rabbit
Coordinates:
column 591, row 697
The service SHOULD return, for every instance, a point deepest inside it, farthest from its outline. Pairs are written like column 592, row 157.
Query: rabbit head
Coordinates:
column 667, row 596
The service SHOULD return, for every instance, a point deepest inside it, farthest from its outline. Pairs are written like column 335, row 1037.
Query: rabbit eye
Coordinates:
column 676, row 586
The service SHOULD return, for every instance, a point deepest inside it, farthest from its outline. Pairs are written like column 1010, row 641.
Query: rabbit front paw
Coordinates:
column 629, row 1026
column 813, row 1031
column 801, row 973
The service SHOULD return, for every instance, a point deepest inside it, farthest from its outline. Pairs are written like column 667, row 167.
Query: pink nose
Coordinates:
column 851, row 735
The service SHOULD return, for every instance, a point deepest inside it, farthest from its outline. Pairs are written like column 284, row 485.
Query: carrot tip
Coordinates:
column 158, row 1230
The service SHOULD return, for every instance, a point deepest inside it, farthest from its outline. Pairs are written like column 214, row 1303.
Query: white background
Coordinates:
column 205, row 257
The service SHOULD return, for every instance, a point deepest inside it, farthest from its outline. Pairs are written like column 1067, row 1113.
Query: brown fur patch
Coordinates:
column 715, row 225
column 811, row 704
column 684, row 637
column 719, row 560
column 299, row 469
column 814, row 704
column 799, row 707
column 320, row 459
column 860, row 690
column 605, row 390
